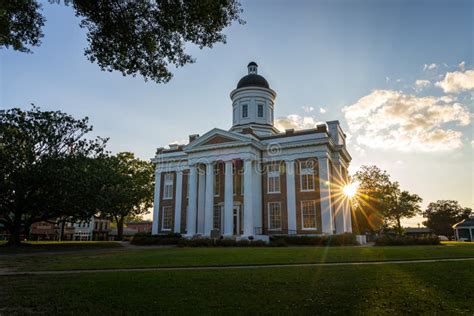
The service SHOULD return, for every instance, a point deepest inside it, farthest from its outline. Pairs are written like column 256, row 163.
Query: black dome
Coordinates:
column 253, row 80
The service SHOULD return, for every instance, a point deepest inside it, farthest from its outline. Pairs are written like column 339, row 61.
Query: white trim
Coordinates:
column 274, row 173
column 315, row 215
column 306, row 173
column 268, row 215
column 163, row 218
column 168, row 183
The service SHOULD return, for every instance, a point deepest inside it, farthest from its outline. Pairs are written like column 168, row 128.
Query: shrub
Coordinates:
column 208, row 242
column 143, row 239
column 406, row 241
column 332, row 240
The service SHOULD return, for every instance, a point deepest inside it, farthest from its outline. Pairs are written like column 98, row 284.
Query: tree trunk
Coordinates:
column 399, row 227
column 14, row 240
column 61, row 233
column 120, row 229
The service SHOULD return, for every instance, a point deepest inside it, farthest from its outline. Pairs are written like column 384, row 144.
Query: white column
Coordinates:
column 209, row 202
column 291, row 195
column 156, row 203
column 257, row 196
column 325, row 194
column 347, row 208
column 228, row 199
column 177, row 203
column 201, row 201
column 192, row 202
column 248, row 199
column 339, row 206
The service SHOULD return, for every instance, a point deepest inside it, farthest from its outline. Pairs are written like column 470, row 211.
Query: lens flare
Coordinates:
column 350, row 190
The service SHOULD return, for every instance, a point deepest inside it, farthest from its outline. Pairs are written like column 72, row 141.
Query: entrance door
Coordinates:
column 236, row 220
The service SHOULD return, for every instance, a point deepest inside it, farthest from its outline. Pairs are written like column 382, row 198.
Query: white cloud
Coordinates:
column 296, row 122
column 462, row 65
column 421, row 84
column 430, row 66
column 308, row 109
column 389, row 119
column 322, row 110
column 398, row 80
column 458, row 81
column 387, row 79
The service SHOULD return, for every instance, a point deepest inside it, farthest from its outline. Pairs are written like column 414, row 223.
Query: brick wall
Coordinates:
column 311, row 195
column 275, row 197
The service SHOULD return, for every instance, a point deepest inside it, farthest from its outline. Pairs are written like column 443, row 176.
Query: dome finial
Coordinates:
column 252, row 67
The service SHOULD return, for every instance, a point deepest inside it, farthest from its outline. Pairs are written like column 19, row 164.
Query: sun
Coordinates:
column 350, row 189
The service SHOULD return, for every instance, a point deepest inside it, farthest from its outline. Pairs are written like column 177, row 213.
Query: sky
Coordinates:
column 398, row 75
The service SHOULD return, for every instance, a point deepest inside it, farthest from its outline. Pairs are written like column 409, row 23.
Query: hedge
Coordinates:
column 346, row 239
column 143, row 239
column 208, row 242
column 406, row 241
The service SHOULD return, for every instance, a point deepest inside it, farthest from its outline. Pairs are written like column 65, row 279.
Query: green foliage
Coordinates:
column 406, row 241
column 127, row 187
column 141, row 37
column 380, row 202
column 345, row 239
column 443, row 214
column 20, row 24
column 48, row 168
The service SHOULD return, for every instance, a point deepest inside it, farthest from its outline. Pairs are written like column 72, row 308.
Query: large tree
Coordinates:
column 370, row 203
column 143, row 37
column 443, row 214
column 128, row 188
column 379, row 202
column 401, row 204
column 47, row 168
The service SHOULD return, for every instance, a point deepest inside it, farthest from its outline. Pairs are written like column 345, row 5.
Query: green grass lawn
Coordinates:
column 42, row 246
column 422, row 288
column 167, row 257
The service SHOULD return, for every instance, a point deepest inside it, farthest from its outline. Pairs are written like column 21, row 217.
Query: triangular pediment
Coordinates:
column 218, row 137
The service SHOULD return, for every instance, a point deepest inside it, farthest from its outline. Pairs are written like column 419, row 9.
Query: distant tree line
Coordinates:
column 51, row 170
column 380, row 205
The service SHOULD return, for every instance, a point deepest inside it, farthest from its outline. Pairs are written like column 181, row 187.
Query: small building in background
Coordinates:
column 46, row 230
column 97, row 228
column 140, row 227
column 465, row 230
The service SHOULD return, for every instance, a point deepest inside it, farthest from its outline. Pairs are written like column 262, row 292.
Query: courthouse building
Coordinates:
column 253, row 180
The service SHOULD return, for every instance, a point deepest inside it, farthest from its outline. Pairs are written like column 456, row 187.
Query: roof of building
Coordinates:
column 253, row 80
column 469, row 222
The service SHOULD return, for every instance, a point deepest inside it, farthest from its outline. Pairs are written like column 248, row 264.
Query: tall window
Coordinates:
column 245, row 110
column 168, row 187
column 308, row 211
column 217, row 217
column 167, row 217
column 217, row 181
column 307, row 175
column 274, row 216
column 273, row 178
column 260, row 110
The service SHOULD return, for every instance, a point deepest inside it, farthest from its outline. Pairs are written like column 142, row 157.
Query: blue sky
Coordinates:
column 315, row 54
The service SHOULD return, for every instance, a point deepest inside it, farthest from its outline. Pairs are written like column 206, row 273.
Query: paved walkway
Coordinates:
column 263, row 266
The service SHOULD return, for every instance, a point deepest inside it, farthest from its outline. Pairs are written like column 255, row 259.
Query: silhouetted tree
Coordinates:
column 128, row 188
column 443, row 214
column 47, row 168
column 134, row 37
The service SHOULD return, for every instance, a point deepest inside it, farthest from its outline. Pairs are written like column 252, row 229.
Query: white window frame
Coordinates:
column 163, row 228
column 273, row 174
column 245, row 110
column 220, row 209
column 168, row 186
column 315, row 215
column 306, row 172
column 260, row 107
column 269, row 209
